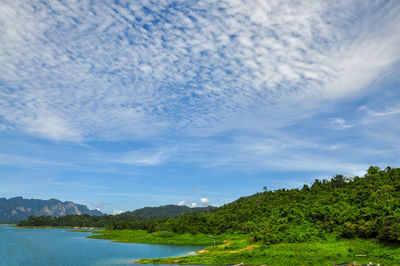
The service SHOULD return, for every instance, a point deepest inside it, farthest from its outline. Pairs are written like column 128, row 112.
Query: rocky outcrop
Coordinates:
column 16, row 209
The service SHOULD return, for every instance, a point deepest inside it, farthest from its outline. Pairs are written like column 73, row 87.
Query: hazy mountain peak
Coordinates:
column 17, row 208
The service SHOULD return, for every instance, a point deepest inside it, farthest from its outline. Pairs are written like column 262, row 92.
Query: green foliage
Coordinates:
column 359, row 207
column 149, row 218
column 338, row 208
column 83, row 220
column 166, row 211
column 308, row 253
column 161, row 237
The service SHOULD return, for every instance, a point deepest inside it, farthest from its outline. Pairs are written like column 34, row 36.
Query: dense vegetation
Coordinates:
column 166, row 211
column 145, row 218
column 367, row 207
column 225, row 249
column 363, row 207
column 238, row 251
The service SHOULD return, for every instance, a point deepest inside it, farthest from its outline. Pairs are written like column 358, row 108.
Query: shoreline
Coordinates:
column 235, row 249
column 238, row 249
column 241, row 252
column 158, row 238
column 58, row 227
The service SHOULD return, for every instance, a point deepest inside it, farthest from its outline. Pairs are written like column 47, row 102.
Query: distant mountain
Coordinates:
column 167, row 211
column 16, row 209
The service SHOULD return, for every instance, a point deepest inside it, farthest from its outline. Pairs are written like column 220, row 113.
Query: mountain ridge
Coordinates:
column 17, row 208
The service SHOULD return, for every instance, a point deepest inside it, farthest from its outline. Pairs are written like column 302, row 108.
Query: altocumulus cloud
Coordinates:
column 123, row 70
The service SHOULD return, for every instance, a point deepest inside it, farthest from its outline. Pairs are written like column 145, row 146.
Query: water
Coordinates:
column 32, row 247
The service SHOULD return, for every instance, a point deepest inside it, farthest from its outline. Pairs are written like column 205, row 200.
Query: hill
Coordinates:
column 13, row 210
column 330, row 221
column 167, row 211
column 343, row 207
column 144, row 218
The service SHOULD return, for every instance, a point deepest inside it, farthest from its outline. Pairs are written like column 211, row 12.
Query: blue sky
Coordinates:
column 125, row 104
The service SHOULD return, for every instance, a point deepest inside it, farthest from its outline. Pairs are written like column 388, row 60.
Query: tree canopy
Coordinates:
column 343, row 207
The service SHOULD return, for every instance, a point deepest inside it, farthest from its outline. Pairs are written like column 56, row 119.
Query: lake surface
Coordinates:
column 19, row 246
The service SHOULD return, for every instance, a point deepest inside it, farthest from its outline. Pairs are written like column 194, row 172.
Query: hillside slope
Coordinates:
column 168, row 211
column 358, row 207
column 367, row 207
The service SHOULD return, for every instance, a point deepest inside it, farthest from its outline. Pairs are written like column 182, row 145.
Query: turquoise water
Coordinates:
column 59, row 247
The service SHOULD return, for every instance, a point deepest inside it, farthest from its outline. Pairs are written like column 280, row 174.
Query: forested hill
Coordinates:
column 144, row 218
column 367, row 207
column 16, row 209
column 166, row 211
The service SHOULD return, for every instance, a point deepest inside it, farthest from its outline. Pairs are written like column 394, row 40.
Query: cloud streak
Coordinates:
column 144, row 157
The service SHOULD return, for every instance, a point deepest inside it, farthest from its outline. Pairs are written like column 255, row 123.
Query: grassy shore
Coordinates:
column 312, row 253
column 161, row 237
column 234, row 249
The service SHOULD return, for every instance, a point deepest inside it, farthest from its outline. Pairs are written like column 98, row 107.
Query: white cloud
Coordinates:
column 281, row 152
column 340, row 123
column 115, row 212
column 51, row 126
column 193, row 205
column 388, row 111
column 335, row 146
column 252, row 67
column 94, row 72
column 28, row 161
column 144, row 157
column 181, row 203
column 204, row 201
column 5, row 128
column 97, row 205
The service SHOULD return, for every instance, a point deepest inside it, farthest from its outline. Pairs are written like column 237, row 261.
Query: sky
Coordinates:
column 124, row 104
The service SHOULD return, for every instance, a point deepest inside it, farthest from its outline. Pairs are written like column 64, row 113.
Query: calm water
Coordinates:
column 59, row 247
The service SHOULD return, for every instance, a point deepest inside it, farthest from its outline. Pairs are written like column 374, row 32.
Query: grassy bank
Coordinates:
column 161, row 237
column 234, row 249
column 312, row 253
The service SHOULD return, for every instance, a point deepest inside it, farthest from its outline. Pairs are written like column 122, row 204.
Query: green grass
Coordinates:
column 312, row 253
column 161, row 237
column 234, row 249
